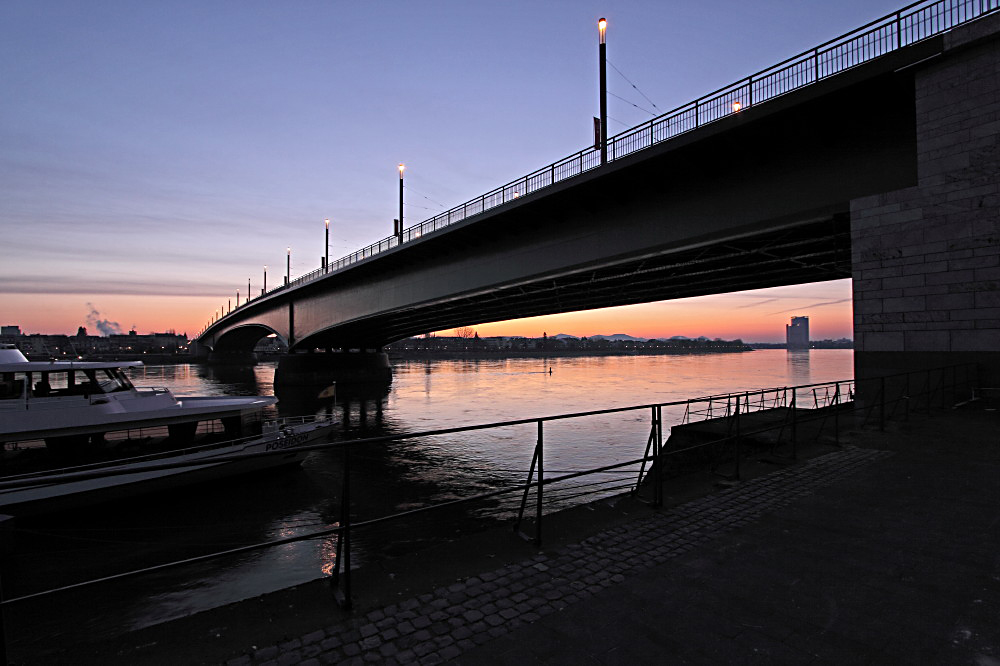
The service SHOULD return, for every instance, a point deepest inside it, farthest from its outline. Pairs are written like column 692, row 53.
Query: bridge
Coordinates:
column 872, row 156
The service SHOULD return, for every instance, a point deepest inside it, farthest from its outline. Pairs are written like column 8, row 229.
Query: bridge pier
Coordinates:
column 926, row 258
column 241, row 358
column 323, row 369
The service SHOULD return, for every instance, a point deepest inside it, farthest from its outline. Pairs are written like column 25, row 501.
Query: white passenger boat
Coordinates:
column 71, row 404
column 73, row 488
column 86, row 411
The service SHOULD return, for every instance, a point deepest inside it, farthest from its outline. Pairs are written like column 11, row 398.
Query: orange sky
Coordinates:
column 757, row 316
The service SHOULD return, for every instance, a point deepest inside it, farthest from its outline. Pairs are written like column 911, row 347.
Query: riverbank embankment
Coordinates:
column 882, row 549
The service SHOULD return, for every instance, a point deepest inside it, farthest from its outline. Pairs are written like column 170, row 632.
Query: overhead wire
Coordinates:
column 658, row 111
column 632, row 103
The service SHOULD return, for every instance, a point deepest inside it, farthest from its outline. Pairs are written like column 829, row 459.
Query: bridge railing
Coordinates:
column 911, row 24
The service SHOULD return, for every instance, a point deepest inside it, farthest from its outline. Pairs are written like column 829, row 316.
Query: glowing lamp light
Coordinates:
column 602, row 26
column 736, row 107
column 327, row 220
column 401, row 168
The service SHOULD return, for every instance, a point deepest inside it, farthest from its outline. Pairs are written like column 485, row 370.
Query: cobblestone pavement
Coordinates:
column 454, row 621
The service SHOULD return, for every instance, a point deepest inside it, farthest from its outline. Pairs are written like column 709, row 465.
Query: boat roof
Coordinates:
column 12, row 360
column 64, row 366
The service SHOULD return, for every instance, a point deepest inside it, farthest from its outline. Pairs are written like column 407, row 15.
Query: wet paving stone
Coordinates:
column 468, row 616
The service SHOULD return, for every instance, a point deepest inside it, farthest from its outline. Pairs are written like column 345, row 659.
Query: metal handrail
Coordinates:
column 911, row 24
column 742, row 398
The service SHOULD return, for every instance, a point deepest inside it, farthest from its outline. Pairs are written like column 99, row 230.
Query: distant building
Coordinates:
column 797, row 333
column 12, row 331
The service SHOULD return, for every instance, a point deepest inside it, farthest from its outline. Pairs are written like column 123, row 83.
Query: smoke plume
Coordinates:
column 105, row 326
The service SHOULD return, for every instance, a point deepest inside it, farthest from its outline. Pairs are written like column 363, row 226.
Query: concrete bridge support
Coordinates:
column 344, row 368
column 926, row 258
column 240, row 358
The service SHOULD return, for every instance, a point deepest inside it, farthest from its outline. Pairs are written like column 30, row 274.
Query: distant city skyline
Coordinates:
column 156, row 158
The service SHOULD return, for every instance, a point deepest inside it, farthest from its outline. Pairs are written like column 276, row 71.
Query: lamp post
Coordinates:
column 264, row 290
column 248, row 289
column 602, row 51
column 401, row 168
column 288, row 266
column 326, row 256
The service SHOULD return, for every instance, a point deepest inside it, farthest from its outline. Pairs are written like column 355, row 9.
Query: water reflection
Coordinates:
column 386, row 478
column 797, row 361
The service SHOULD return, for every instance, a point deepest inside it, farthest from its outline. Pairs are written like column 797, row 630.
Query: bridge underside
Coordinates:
column 812, row 252
column 886, row 174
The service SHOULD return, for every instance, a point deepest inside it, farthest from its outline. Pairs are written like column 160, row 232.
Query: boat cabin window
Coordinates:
column 65, row 383
column 113, row 379
column 10, row 387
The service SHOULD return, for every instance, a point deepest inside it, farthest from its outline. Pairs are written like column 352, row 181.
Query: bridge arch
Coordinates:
column 238, row 343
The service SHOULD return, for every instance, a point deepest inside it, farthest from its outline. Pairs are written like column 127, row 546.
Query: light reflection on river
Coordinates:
column 423, row 396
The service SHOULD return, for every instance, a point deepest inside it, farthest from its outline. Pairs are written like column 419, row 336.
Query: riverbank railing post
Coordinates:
column 736, row 417
column 927, row 390
column 906, row 398
column 536, row 460
column 795, row 425
column 836, row 414
column 342, row 593
column 3, row 635
column 657, row 458
column 881, row 403
column 541, row 481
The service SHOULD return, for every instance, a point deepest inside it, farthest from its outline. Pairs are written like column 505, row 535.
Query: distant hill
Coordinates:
column 615, row 336
column 622, row 336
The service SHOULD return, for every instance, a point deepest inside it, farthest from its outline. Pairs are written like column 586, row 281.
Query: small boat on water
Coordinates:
column 90, row 411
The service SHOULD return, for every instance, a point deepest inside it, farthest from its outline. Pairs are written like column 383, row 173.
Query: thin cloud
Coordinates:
column 812, row 305
column 756, row 304
column 75, row 285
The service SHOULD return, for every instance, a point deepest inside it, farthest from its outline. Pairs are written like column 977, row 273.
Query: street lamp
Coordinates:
column 326, row 257
column 602, row 52
column 264, row 290
column 400, row 230
column 288, row 266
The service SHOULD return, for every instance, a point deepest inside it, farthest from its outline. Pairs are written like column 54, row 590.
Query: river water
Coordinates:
column 424, row 395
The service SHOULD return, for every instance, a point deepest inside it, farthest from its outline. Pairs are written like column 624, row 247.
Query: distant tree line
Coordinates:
column 466, row 343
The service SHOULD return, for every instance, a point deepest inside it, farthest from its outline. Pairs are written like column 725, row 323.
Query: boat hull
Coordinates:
column 78, row 488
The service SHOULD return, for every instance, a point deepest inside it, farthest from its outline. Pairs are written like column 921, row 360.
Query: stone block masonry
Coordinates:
column 926, row 258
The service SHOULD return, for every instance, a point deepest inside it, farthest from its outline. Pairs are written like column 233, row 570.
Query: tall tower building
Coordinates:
column 797, row 333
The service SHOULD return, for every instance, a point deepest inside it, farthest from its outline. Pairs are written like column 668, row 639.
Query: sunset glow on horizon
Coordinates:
column 754, row 316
